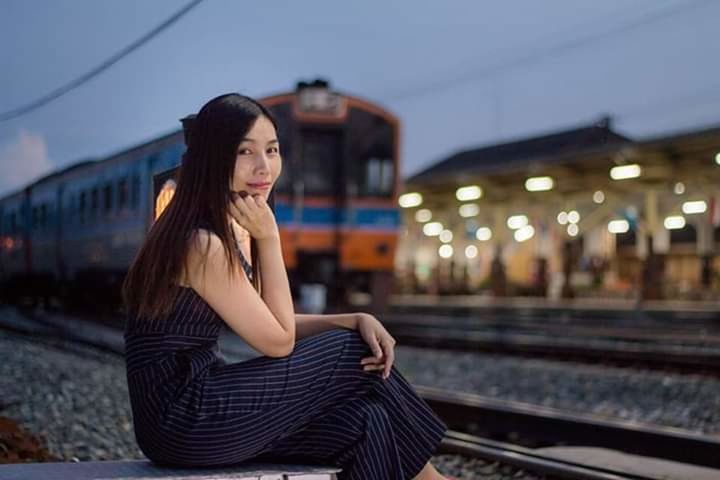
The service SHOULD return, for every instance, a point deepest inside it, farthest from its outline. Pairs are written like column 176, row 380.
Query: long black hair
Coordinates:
column 201, row 198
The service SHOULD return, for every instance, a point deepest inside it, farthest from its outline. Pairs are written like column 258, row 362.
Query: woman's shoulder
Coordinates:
column 202, row 229
column 203, row 241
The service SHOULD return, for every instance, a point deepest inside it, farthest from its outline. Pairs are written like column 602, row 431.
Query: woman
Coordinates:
column 324, row 389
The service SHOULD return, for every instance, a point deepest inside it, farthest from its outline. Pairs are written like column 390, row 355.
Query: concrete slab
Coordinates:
column 146, row 470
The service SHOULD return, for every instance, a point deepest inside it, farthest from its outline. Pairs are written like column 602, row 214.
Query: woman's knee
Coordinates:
column 352, row 341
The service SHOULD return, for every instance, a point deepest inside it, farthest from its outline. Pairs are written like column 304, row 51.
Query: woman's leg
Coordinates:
column 356, row 436
column 244, row 408
column 418, row 430
column 238, row 409
column 415, row 430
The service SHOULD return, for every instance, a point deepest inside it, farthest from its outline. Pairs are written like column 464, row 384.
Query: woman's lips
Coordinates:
column 259, row 186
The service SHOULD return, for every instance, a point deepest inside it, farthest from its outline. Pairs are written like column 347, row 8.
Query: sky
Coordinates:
column 459, row 74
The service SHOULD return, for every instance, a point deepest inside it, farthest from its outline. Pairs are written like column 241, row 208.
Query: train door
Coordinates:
column 322, row 200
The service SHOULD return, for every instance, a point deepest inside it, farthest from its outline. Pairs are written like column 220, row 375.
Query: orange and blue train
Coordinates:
column 336, row 200
column 72, row 234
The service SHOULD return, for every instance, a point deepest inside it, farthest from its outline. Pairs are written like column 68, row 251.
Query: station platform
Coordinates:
column 145, row 470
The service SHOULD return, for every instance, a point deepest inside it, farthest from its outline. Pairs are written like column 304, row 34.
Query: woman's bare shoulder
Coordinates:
column 203, row 244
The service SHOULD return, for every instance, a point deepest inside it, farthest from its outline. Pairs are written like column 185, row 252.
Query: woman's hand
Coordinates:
column 381, row 343
column 253, row 214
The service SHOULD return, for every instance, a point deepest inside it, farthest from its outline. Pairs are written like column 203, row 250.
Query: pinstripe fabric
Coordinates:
column 317, row 405
column 191, row 408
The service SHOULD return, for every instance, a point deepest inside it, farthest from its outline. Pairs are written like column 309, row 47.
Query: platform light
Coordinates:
column 622, row 172
column 524, row 233
column 573, row 229
column 445, row 251
column 483, row 234
column 573, row 216
column 469, row 210
column 674, row 222
column 562, row 218
column 446, row 236
column 423, row 215
column 698, row 206
column 618, row 226
column 679, row 188
column 517, row 221
column 408, row 200
column 471, row 251
column 433, row 229
column 717, row 158
column 599, row 196
column 539, row 184
column 470, row 192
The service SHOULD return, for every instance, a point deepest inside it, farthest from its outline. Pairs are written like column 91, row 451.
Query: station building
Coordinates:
column 584, row 212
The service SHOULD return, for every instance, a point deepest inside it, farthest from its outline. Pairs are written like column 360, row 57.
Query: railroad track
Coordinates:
column 680, row 333
column 459, row 443
column 536, row 426
column 685, row 358
column 541, row 426
column 589, row 311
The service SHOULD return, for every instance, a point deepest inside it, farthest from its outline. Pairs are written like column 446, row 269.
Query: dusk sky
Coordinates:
column 459, row 74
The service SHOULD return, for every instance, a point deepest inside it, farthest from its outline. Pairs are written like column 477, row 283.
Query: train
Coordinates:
column 72, row 234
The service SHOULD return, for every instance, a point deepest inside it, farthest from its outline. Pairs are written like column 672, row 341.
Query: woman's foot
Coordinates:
column 429, row 473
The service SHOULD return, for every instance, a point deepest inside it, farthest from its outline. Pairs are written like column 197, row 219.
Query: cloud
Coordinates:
column 23, row 160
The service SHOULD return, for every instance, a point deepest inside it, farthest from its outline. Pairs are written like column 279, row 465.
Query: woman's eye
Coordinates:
column 244, row 151
column 273, row 150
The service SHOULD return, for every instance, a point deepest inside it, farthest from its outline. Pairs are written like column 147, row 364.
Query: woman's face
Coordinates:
column 257, row 163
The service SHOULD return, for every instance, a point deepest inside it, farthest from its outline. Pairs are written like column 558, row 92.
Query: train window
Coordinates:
column 43, row 215
column 135, row 193
column 13, row 222
column 370, row 153
column 321, row 154
column 82, row 206
column 108, row 197
column 284, row 182
column 35, row 218
column 122, row 193
column 283, row 117
column 72, row 201
column 94, row 201
column 378, row 176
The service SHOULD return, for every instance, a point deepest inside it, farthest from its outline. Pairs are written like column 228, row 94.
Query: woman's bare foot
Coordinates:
column 429, row 473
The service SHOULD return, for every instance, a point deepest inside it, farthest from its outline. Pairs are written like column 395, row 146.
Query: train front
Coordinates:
column 336, row 200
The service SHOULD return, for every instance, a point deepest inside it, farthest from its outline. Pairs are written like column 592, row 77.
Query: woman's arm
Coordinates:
column 275, row 289
column 310, row 324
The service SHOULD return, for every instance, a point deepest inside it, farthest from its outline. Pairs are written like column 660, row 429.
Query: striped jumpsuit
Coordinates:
column 316, row 405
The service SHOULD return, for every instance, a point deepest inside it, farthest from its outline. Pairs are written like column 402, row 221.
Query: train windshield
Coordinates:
column 321, row 154
column 370, row 154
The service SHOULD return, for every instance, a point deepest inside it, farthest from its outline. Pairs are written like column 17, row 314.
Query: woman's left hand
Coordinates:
column 381, row 343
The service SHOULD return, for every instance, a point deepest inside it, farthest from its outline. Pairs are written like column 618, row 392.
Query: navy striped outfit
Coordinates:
column 316, row 405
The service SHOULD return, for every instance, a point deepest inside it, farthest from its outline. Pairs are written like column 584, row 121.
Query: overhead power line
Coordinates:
column 100, row 68
column 498, row 67
column 702, row 98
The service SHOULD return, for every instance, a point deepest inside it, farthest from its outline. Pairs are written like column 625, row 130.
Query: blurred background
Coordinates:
column 517, row 180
